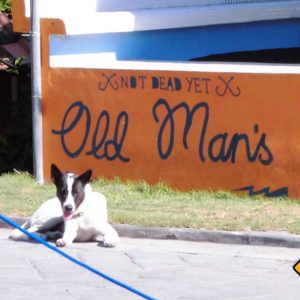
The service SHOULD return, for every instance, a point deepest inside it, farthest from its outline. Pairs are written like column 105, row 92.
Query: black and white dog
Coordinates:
column 82, row 213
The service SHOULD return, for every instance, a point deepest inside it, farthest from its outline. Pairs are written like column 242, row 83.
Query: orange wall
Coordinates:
column 188, row 129
column 20, row 23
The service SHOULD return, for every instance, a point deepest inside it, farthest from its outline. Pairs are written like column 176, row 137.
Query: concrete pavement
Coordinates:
column 164, row 269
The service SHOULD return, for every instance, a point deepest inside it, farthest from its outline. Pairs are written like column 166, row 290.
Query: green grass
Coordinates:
column 138, row 203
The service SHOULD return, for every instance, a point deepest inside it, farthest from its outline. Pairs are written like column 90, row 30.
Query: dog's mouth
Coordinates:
column 68, row 215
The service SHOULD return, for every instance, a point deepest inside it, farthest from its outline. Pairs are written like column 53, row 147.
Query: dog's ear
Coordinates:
column 85, row 177
column 56, row 174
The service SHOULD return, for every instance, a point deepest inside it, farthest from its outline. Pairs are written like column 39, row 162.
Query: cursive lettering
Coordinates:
column 102, row 146
column 220, row 148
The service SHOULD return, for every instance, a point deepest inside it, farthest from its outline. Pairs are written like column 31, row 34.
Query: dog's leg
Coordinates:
column 109, row 236
column 71, row 229
column 53, row 235
column 18, row 235
column 55, row 232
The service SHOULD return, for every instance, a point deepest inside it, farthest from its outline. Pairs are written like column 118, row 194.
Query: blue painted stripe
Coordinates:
column 184, row 43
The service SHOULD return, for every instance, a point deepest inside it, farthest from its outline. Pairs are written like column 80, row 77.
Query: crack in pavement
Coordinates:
column 133, row 260
column 37, row 270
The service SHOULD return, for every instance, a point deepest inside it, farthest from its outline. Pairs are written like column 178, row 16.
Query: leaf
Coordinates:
column 5, row 6
column 12, row 71
column 19, row 60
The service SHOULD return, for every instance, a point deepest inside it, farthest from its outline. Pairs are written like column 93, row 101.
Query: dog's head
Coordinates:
column 70, row 189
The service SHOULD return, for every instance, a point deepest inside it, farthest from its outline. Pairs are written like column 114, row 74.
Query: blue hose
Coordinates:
column 74, row 260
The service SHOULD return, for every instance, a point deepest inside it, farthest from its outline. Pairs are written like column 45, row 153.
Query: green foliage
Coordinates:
column 14, row 68
column 5, row 6
column 30, row 194
column 139, row 203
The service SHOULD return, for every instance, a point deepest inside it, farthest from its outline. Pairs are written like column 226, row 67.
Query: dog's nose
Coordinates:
column 68, row 208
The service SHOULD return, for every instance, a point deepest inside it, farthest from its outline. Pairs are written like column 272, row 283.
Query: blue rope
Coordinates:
column 74, row 260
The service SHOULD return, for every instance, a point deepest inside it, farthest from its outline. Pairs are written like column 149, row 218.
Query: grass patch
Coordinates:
column 138, row 203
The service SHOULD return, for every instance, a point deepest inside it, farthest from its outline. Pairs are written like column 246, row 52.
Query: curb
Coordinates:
column 254, row 238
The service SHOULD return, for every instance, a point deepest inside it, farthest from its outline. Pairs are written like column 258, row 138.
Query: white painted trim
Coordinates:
column 92, row 21
column 213, row 15
column 121, row 5
column 94, row 62
column 61, row 8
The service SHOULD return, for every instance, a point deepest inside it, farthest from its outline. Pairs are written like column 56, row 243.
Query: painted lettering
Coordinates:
column 102, row 147
column 226, row 86
column 166, row 83
column 169, row 120
column 108, row 82
column 220, row 148
column 227, row 150
column 128, row 82
column 123, row 82
column 198, row 85
column 81, row 111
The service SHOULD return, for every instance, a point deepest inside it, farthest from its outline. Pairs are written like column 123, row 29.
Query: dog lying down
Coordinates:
column 76, row 214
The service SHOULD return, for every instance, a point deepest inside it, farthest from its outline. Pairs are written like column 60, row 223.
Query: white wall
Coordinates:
column 83, row 17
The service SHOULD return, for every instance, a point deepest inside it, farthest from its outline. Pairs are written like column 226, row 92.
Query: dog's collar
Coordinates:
column 78, row 215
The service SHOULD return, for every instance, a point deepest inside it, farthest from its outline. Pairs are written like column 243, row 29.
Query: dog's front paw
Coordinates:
column 110, row 241
column 109, row 244
column 60, row 243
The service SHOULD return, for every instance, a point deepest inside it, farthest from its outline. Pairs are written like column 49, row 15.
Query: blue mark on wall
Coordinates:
column 281, row 192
